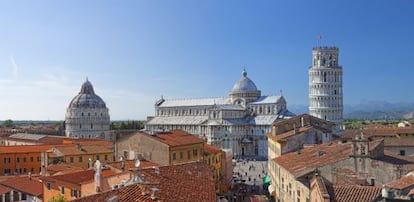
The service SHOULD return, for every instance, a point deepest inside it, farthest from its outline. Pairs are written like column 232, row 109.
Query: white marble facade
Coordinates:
column 325, row 86
column 239, row 122
column 87, row 115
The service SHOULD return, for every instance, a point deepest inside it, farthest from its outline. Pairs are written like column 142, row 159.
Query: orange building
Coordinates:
column 80, row 184
column 21, row 159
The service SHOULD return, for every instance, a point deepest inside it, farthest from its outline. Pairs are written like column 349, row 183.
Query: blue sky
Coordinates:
column 135, row 51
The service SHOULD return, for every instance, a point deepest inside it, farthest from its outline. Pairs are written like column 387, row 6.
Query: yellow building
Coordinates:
column 163, row 148
column 80, row 155
column 213, row 156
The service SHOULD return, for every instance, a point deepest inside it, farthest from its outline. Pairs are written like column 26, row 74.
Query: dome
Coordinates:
column 87, row 98
column 244, row 84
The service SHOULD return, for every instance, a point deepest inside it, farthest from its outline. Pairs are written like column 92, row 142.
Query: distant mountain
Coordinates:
column 369, row 109
column 379, row 110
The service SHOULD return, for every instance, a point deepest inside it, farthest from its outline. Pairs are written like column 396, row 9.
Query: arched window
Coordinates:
column 324, row 77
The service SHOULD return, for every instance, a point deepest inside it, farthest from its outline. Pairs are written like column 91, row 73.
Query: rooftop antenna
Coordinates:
column 281, row 92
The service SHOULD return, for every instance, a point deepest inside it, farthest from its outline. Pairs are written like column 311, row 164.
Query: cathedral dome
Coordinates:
column 87, row 98
column 244, row 84
column 244, row 90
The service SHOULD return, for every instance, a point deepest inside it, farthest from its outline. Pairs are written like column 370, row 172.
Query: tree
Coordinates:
column 8, row 123
column 59, row 198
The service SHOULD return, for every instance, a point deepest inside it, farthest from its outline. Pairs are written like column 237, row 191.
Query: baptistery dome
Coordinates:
column 87, row 98
column 87, row 115
column 244, row 89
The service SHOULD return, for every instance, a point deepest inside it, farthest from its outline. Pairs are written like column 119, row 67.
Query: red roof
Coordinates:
column 82, row 149
column 313, row 157
column 402, row 183
column 24, row 149
column 131, row 193
column 346, row 193
column 130, row 164
column 177, row 138
column 4, row 189
column 210, row 149
column 185, row 182
column 23, row 184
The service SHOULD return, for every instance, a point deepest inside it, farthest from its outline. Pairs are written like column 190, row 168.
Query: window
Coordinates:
column 91, row 126
column 73, row 192
column 71, row 159
column 188, row 155
column 80, row 159
column 17, row 159
column 63, row 190
column 174, row 157
column 181, row 155
column 97, row 157
column 125, row 154
column 106, row 157
column 38, row 159
column 24, row 170
column 195, row 152
column 48, row 185
column 7, row 171
column 24, row 159
column 31, row 159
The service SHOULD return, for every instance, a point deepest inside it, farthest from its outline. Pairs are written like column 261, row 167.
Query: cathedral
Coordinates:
column 239, row 122
column 87, row 115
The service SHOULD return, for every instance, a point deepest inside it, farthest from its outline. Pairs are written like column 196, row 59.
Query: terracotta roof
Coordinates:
column 210, row 149
column 181, row 183
column 313, row 157
column 402, row 183
column 375, row 132
column 84, row 149
column 62, row 168
column 399, row 142
column 79, row 177
column 177, row 138
column 185, row 182
column 24, row 148
column 131, row 193
column 290, row 133
column 130, row 164
column 30, row 186
column 4, row 189
column 346, row 193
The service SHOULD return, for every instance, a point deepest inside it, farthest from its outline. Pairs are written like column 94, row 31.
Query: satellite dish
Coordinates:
column 137, row 163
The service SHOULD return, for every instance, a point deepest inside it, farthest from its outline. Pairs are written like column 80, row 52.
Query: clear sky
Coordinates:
column 135, row 51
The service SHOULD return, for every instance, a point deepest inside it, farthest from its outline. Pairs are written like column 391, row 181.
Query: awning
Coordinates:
column 271, row 189
column 266, row 179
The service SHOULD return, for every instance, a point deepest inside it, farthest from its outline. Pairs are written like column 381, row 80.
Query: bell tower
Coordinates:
column 325, row 86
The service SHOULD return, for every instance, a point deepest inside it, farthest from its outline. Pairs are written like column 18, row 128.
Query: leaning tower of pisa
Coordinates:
column 325, row 85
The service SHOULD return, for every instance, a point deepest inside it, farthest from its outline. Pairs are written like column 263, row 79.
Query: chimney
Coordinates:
column 153, row 192
column 157, row 170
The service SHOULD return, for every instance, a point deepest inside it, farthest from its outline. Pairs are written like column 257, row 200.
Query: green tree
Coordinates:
column 59, row 198
column 8, row 123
